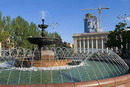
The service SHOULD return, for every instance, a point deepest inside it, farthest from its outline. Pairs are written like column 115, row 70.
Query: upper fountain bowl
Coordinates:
column 42, row 26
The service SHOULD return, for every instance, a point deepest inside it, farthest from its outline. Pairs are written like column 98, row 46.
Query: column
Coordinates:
column 102, row 42
column 80, row 45
column 84, row 44
column 96, row 43
column 75, row 45
column 92, row 42
column 88, row 43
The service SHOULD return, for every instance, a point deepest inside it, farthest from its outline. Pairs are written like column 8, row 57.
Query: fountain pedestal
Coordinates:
column 48, row 59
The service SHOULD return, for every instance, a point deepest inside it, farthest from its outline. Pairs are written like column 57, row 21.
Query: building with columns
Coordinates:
column 90, row 40
column 93, row 37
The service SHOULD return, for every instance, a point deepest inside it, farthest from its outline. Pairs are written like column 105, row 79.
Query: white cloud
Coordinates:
column 127, row 18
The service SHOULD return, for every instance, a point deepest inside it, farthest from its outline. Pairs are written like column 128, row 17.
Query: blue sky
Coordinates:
column 67, row 13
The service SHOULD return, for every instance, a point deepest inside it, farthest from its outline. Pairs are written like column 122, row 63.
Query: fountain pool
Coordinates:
column 85, row 65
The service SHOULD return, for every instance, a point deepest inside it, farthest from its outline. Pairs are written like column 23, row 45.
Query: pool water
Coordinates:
column 91, row 70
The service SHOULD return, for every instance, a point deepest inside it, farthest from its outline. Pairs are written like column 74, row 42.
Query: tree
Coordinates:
column 21, row 30
column 18, row 30
column 4, row 34
column 119, row 38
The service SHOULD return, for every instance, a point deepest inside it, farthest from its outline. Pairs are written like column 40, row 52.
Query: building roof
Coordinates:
column 90, row 34
column 89, row 15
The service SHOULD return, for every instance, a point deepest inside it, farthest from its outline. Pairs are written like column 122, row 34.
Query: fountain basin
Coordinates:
column 98, row 68
column 57, row 74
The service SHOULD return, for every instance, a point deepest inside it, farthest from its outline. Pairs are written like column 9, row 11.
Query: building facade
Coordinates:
column 90, row 40
column 93, row 37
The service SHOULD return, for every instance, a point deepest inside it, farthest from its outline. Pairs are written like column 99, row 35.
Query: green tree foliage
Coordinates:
column 21, row 30
column 119, row 38
column 56, row 35
column 4, row 23
column 59, row 43
column 18, row 29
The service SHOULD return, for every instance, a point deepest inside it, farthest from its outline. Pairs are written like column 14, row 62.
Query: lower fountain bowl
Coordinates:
column 41, row 41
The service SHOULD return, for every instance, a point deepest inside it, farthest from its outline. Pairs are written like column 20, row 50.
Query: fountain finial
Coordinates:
column 43, row 26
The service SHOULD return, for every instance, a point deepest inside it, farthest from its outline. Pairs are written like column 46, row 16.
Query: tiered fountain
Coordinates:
column 45, row 58
column 42, row 41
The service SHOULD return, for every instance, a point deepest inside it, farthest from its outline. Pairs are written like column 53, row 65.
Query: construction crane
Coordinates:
column 100, row 14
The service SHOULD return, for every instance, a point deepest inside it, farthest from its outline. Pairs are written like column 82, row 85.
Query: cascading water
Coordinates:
column 68, row 65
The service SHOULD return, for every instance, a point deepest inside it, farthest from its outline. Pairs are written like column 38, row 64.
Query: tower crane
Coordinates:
column 100, row 13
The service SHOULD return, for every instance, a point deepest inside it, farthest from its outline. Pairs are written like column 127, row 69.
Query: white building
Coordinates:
column 90, row 40
column 93, row 37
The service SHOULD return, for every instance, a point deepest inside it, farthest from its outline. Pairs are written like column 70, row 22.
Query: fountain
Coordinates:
column 42, row 41
column 58, row 67
column 43, row 57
